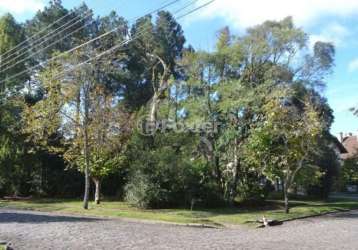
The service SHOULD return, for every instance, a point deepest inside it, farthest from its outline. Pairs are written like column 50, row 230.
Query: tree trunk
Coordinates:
column 78, row 114
column 235, row 182
column 87, row 188
column 285, row 193
column 161, row 88
column 153, row 109
column 87, row 178
column 97, row 194
column 236, row 172
column 86, row 151
column 218, row 172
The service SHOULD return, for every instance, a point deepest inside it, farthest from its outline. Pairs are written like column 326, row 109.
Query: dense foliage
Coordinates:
column 158, row 122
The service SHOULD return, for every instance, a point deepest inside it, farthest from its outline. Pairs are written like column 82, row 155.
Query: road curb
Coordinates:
column 307, row 216
column 125, row 219
column 317, row 215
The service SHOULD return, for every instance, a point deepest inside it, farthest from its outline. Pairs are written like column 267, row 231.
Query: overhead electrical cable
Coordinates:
column 36, row 34
column 52, row 35
column 127, row 41
column 83, row 44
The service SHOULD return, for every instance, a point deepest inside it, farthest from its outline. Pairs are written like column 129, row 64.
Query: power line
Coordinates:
column 52, row 35
column 128, row 41
column 28, row 45
column 36, row 34
column 45, row 48
column 190, row 3
column 54, row 31
column 196, row 9
column 84, row 44
column 62, row 38
column 50, row 45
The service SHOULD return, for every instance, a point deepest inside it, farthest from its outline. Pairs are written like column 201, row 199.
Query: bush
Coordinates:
column 143, row 193
column 163, row 173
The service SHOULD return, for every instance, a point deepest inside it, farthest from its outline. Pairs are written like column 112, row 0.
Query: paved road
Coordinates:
column 350, row 196
column 33, row 230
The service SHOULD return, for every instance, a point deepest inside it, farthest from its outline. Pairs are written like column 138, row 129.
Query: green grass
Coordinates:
column 224, row 216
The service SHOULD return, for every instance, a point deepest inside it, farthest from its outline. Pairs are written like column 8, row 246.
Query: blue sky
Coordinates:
column 326, row 20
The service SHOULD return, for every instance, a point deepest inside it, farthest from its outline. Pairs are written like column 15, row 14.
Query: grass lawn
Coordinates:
column 224, row 216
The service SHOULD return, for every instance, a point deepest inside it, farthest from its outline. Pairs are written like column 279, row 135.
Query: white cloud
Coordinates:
column 245, row 13
column 334, row 33
column 21, row 6
column 353, row 65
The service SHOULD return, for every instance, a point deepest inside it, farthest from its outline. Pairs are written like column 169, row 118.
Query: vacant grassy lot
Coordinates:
column 223, row 216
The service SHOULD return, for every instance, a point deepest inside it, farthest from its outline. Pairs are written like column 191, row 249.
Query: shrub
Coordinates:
column 143, row 193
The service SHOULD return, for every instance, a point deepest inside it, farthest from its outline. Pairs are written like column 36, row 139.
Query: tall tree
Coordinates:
column 154, row 55
column 108, row 131
column 54, row 23
column 240, row 77
column 13, row 146
column 283, row 144
column 11, row 34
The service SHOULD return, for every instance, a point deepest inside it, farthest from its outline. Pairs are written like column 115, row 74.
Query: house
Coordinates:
column 350, row 142
column 338, row 147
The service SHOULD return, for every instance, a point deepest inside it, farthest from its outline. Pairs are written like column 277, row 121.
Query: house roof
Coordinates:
column 340, row 146
column 351, row 144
